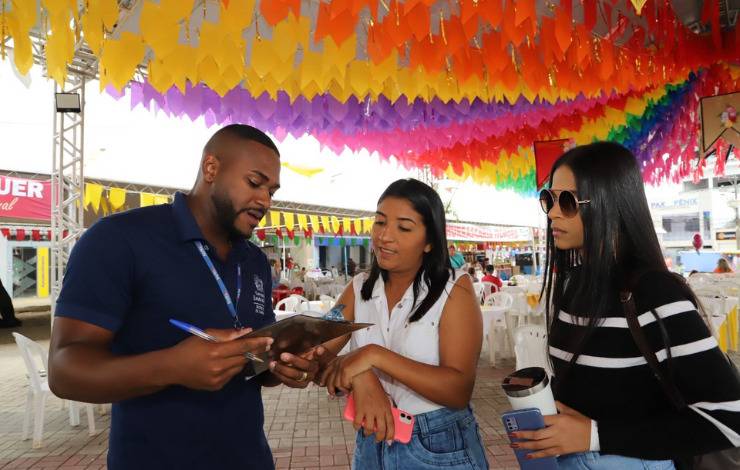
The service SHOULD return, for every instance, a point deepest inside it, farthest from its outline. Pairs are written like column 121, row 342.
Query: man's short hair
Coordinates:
column 243, row 132
column 489, row 268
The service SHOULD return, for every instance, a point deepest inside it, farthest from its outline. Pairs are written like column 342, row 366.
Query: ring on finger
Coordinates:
column 304, row 377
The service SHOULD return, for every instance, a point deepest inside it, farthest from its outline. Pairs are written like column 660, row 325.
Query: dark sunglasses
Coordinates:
column 567, row 201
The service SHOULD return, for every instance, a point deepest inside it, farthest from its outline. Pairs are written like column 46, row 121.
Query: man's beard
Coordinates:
column 226, row 216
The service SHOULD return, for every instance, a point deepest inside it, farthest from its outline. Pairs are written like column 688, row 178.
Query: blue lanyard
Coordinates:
column 229, row 304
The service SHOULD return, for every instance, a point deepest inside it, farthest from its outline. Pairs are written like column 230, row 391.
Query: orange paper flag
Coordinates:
column 468, row 10
column 342, row 27
column 454, row 34
column 491, row 11
column 524, row 10
column 583, row 47
column 396, row 27
column 511, row 32
column 274, row 11
column 564, row 25
column 606, row 67
column 418, row 20
column 432, row 54
column 533, row 72
column 494, row 52
column 509, row 76
column 378, row 44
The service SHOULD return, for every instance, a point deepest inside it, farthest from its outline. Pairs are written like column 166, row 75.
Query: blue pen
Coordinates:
column 194, row 330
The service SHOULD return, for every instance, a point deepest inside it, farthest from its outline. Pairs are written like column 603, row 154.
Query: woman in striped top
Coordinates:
column 613, row 411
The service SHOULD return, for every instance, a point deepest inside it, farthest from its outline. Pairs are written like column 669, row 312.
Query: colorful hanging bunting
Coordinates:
column 464, row 91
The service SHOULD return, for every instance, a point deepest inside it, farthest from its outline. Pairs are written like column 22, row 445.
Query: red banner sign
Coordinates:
column 22, row 198
column 486, row 233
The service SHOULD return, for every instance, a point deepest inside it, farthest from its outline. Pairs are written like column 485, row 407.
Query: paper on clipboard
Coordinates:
column 297, row 335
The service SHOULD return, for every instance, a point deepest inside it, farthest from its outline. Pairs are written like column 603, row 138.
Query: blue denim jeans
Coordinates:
column 597, row 461
column 443, row 438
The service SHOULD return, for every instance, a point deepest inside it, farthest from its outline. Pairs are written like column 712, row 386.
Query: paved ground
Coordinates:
column 304, row 427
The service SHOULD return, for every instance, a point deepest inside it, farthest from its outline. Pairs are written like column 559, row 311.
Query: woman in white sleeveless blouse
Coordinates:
column 422, row 351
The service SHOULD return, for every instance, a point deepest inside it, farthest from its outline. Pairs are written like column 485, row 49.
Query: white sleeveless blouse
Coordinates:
column 418, row 340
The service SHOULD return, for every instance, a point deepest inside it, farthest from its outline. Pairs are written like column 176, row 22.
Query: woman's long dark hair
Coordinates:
column 435, row 268
column 619, row 240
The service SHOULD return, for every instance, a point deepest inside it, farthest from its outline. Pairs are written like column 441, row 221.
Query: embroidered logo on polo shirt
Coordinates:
column 259, row 295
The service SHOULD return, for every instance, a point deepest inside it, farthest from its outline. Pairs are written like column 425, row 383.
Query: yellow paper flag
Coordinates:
column 367, row 224
column 358, row 226
column 346, row 225
column 303, row 221
column 161, row 199
column 120, row 58
column 275, row 219
column 335, row 225
column 289, row 219
column 314, row 222
column 93, row 193
column 117, row 198
column 146, row 199
column 325, row 223
column 302, row 170
column 638, row 4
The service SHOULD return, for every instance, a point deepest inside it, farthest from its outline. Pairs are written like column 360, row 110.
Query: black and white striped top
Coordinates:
column 613, row 384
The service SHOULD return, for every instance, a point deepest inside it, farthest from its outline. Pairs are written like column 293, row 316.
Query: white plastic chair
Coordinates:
column 502, row 299
column 498, row 330
column 38, row 392
column 488, row 289
column 292, row 303
column 530, row 347
column 478, row 288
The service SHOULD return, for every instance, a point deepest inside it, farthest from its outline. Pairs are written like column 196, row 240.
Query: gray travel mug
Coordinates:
column 530, row 388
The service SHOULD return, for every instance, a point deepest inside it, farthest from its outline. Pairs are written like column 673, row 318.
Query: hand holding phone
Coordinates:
column 403, row 422
column 528, row 419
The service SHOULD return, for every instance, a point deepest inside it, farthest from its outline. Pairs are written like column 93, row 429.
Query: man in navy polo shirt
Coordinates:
column 179, row 402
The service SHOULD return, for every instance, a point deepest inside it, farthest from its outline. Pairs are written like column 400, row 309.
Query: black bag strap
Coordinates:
column 630, row 313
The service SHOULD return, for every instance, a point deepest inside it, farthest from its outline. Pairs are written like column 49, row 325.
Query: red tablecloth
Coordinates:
column 282, row 291
column 279, row 293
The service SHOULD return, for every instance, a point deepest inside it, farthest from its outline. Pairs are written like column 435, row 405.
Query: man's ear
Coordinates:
column 210, row 167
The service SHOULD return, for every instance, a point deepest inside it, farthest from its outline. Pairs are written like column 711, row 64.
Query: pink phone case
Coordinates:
column 403, row 421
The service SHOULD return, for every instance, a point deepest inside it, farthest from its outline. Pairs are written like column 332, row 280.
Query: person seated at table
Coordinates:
column 489, row 277
column 276, row 271
column 423, row 348
column 723, row 266
column 457, row 260
column 640, row 381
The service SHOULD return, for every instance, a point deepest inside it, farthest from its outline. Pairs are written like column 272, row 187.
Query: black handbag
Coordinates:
column 719, row 460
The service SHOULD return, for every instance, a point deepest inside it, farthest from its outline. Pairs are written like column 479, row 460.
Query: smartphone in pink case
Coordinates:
column 403, row 421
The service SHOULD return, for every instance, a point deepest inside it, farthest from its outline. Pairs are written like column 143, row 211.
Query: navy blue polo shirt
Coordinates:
column 130, row 273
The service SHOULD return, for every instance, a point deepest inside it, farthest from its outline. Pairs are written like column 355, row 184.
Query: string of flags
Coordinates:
column 289, row 225
column 25, row 233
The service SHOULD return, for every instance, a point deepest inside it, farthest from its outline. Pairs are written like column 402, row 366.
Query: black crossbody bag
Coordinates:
column 720, row 460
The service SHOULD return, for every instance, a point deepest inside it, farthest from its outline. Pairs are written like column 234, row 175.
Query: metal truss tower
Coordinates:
column 67, row 183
